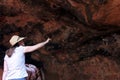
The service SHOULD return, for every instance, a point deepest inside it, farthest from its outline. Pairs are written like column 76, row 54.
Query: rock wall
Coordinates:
column 85, row 36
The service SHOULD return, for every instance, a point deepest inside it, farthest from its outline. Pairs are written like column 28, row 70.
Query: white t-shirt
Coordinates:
column 16, row 64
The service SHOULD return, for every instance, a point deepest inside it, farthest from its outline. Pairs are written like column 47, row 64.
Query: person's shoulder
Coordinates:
column 5, row 57
column 21, row 47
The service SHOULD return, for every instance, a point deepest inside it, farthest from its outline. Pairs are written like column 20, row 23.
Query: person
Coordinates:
column 14, row 60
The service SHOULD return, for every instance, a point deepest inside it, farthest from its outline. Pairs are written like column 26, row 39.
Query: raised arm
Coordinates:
column 35, row 47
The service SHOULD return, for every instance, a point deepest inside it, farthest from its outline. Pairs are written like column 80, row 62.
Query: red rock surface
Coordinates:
column 85, row 36
column 109, row 13
column 0, row 74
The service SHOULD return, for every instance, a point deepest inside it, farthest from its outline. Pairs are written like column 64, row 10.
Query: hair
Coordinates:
column 10, row 51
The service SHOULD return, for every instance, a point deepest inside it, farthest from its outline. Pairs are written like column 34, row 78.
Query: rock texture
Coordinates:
column 85, row 36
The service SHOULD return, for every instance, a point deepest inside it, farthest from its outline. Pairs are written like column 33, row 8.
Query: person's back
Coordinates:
column 16, row 64
column 14, row 61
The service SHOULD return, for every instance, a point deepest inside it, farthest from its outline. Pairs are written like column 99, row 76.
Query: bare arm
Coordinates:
column 35, row 47
column 5, row 71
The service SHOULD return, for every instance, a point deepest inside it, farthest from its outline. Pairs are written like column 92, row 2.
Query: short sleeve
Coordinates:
column 19, row 51
column 23, row 48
